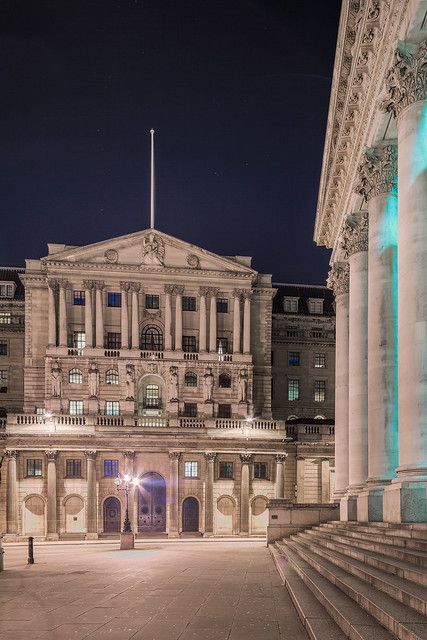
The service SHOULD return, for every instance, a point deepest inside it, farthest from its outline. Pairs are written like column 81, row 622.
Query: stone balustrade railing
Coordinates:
column 315, row 430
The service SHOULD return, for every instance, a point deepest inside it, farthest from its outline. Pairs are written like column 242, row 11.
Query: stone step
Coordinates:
column 398, row 619
column 405, row 534
column 411, row 595
column 352, row 620
column 343, row 544
column 316, row 620
column 380, row 545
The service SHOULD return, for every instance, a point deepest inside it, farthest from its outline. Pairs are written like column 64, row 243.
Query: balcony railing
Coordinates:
column 152, row 355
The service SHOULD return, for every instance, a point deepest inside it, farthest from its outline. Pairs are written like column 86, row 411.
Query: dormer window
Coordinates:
column 290, row 304
column 7, row 289
column 315, row 305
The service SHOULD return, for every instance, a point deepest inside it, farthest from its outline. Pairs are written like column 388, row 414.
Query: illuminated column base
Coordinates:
column 348, row 508
column 370, row 504
column 406, row 501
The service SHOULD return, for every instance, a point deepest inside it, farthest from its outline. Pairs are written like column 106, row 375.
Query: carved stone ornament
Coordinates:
column 193, row 261
column 210, row 456
column 129, row 454
column 378, row 171
column 135, row 287
column 355, row 234
column 11, row 453
column 153, row 250
column 88, row 285
column 245, row 458
column 111, row 256
column 338, row 278
column 281, row 457
column 406, row 81
column 51, row 454
column 174, row 455
column 90, row 453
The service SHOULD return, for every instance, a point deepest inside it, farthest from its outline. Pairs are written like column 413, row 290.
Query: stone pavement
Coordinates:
column 194, row 591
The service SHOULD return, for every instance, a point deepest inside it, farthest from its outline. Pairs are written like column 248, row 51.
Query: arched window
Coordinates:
column 152, row 397
column 75, row 376
column 224, row 381
column 190, row 379
column 319, row 417
column 292, row 418
column 112, row 376
column 152, row 338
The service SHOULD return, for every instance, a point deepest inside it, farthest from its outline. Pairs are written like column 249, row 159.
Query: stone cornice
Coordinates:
column 377, row 172
column 338, row 278
column 406, row 81
column 355, row 234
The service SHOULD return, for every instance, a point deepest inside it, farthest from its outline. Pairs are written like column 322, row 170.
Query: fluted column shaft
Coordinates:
column 88, row 314
column 63, row 338
column 174, row 495
column 209, row 508
column 178, row 318
column 247, row 324
column 12, row 493
column 245, row 459
column 52, row 314
column 280, row 475
column 135, row 315
column 52, row 515
column 124, row 316
column 202, row 321
column 168, row 317
column 92, row 528
column 236, row 322
column 300, row 473
column 212, row 323
column 99, row 315
column 325, row 481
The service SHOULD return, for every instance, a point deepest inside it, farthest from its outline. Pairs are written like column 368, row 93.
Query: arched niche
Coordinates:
column 151, row 394
column 259, row 514
column 34, row 516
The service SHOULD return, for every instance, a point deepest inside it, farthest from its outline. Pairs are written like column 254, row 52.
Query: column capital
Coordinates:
column 178, row 289
column 238, row 293
column 338, row 278
column 91, row 454
column 98, row 285
column 406, row 81
column 88, row 285
column 130, row 455
column 53, row 284
column 210, row 456
column 135, row 287
column 213, row 291
column 355, row 234
column 12, row 454
column 124, row 286
column 245, row 458
column 378, row 171
column 203, row 291
column 63, row 284
column 169, row 288
column 51, row 454
column 281, row 457
column 247, row 294
column 174, row 455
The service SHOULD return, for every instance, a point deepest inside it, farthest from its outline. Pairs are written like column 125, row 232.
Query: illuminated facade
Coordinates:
column 372, row 213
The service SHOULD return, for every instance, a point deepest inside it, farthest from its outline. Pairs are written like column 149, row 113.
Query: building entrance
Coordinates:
column 112, row 515
column 190, row 514
column 152, row 503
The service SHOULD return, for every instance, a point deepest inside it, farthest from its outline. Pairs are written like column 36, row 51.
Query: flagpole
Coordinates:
column 152, row 181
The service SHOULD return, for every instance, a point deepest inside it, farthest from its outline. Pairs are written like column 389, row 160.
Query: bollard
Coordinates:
column 30, row 550
column 1, row 553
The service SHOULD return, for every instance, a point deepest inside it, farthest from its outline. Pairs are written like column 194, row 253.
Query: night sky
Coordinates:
column 238, row 94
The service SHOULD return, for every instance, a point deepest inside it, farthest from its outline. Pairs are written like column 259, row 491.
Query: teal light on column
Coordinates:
column 419, row 156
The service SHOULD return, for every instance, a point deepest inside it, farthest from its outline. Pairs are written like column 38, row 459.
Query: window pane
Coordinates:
column 224, row 381
column 73, row 469
column 191, row 469
column 260, row 470
column 75, row 376
column 114, row 340
column 112, row 408
column 152, row 338
column 3, row 347
column 76, row 407
column 188, row 303
column 221, row 305
column 226, row 470
column 190, row 379
column 79, row 339
column 5, row 317
column 111, row 468
column 222, row 345
column 319, row 390
column 189, row 344
column 112, row 376
column 293, row 389
column 294, row 359
column 190, row 409
column 114, row 299
column 34, row 467
column 3, row 380
column 320, row 360
column 79, row 298
column 224, row 411
column 152, row 301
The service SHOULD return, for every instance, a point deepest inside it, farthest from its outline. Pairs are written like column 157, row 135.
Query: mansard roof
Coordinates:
column 11, row 274
column 304, row 292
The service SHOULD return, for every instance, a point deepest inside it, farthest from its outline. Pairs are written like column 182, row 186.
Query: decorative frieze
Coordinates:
column 338, row 278
column 355, row 234
column 406, row 82
column 378, row 171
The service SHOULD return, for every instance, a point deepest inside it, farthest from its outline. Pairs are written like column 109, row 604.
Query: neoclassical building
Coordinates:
column 372, row 213
column 148, row 356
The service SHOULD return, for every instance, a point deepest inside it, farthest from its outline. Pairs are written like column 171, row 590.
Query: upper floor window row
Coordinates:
column 7, row 289
column 290, row 304
column 315, row 305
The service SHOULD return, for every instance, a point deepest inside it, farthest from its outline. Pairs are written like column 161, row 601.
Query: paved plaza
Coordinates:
column 207, row 590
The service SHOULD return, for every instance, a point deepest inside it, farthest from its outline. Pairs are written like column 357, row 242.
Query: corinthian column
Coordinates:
column 280, row 475
column 203, row 291
column 168, row 316
column 378, row 183
column 245, row 459
column 338, row 281
column 247, row 321
column 99, row 314
column 52, row 515
column 174, row 495
column 88, row 286
column 179, row 290
column 355, row 248
column 52, row 288
column 63, row 337
column 92, row 501
column 124, row 315
column 135, row 287
column 405, row 500
column 12, row 492
column 237, row 293
column 212, row 320
column 210, row 461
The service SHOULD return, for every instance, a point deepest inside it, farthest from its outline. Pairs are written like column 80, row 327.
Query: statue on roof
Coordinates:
column 153, row 249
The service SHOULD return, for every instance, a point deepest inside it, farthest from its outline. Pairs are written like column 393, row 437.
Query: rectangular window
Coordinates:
column 293, row 359
column 293, row 389
column 224, row 411
column 34, row 468
column 79, row 339
column 73, row 468
column 315, row 305
column 40, row 411
column 319, row 390
column 188, row 303
column 79, row 298
column 221, row 305
column 226, row 470
column 6, row 290
column 190, row 409
column 3, row 347
column 320, row 360
column 316, row 333
column 111, row 468
column 114, row 340
column 222, row 345
column 76, row 407
column 189, row 344
column 114, row 299
column 5, row 317
column 112, row 408
column 3, row 380
column 291, row 333
column 152, row 301
column 260, row 470
column 290, row 305
column 191, row 469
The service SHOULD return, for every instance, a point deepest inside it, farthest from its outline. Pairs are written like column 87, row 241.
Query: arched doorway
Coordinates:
column 259, row 515
column 152, row 503
column 112, row 513
column 34, row 516
column 74, row 515
column 190, row 514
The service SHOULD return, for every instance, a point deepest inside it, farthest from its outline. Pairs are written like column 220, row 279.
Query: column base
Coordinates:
column 173, row 534
column 127, row 541
column 208, row 534
column 91, row 536
column 52, row 536
column 370, row 505
column 348, row 509
column 406, row 501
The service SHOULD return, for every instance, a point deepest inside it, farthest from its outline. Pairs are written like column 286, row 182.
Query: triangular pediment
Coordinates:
column 148, row 249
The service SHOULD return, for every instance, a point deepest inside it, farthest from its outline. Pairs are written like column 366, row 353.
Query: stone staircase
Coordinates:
column 357, row 581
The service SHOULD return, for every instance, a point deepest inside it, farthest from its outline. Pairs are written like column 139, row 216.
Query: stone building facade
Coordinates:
column 147, row 356
column 372, row 212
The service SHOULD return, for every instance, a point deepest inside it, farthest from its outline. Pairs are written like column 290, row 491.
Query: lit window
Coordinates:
column 112, row 376
column 191, row 469
column 79, row 298
column 7, row 290
column 152, row 301
column 79, row 340
column 40, row 411
column 319, row 417
column 320, row 360
column 222, row 345
column 293, row 390
column 188, row 303
column 111, row 468
column 224, row 381
column 34, row 467
column 3, row 347
column 75, row 376
column 290, row 305
column 224, row 411
column 190, row 410
column 226, row 470
column 189, row 344
column 73, row 469
column 293, row 359
column 315, row 305
column 114, row 299
column 76, row 407
column 5, row 317
column 152, row 396
column 190, row 379
column 221, row 305
column 3, row 380
column 319, row 390
column 114, row 340
column 112, row 408
column 260, row 470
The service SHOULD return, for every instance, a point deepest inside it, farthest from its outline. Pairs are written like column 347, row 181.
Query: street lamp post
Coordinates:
column 125, row 483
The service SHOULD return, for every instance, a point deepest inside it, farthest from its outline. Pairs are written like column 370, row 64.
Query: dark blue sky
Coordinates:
column 237, row 91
